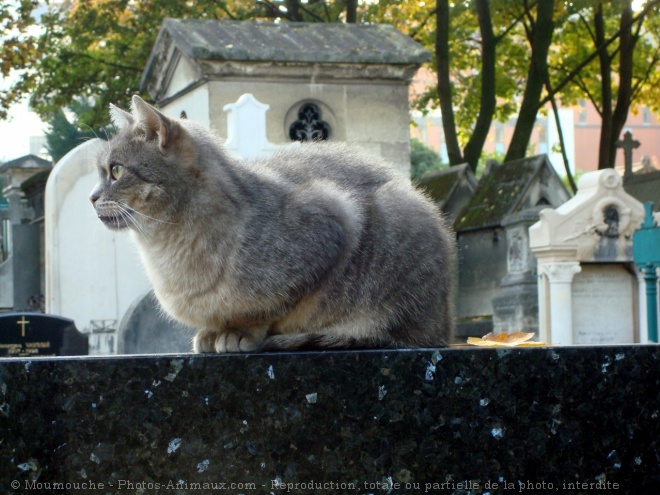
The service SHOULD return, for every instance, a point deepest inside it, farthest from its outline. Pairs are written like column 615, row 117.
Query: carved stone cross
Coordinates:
column 628, row 144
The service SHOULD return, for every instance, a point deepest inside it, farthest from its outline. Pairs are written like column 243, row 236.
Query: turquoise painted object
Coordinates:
column 646, row 254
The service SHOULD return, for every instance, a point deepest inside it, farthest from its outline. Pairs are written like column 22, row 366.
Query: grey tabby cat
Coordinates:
column 318, row 246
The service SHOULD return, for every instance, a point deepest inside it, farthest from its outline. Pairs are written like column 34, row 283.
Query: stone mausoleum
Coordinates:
column 21, row 232
column 344, row 82
column 497, row 273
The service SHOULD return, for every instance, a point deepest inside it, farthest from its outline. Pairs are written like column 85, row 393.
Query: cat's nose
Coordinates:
column 95, row 195
column 94, row 198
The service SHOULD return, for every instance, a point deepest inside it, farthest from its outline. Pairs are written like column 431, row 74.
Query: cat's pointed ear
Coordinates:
column 120, row 118
column 154, row 121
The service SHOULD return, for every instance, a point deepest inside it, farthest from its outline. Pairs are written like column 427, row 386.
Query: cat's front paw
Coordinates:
column 227, row 341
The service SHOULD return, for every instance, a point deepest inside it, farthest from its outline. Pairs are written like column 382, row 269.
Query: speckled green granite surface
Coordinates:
column 462, row 420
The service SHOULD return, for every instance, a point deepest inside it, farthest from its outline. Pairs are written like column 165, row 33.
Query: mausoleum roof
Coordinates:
column 501, row 192
column 294, row 42
column 26, row 162
column 441, row 184
column 188, row 52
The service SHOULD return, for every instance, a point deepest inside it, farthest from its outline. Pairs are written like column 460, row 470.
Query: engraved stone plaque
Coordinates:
column 603, row 305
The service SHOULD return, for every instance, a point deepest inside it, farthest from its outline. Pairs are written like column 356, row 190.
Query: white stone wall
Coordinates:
column 372, row 116
column 195, row 103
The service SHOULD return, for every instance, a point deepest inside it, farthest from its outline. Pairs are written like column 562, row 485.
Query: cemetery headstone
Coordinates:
column 546, row 420
column 588, row 288
column 647, row 166
column 515, row 306
column 27, row 269
column 246, row 128
column 145, row 329
column 7, row 285
column 37, row 334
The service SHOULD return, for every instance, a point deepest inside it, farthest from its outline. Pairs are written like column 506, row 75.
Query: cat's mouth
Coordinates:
column 113, row 222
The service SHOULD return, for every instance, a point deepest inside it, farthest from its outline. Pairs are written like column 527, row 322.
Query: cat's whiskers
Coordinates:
column 119, row 209
column 128, row 217
column 146, row 216
column 96, row 134
column 161, row 190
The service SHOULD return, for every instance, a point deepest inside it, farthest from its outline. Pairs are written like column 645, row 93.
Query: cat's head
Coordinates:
column 145, row 171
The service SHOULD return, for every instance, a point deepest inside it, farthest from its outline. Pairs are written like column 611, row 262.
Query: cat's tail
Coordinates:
column 322, row 341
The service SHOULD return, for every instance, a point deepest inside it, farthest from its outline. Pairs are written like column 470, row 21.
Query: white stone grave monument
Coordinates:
column 246, row 128
column 93, row 274
column 589, row 290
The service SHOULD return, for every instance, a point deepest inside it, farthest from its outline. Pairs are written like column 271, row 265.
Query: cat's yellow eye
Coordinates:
column 116, row 171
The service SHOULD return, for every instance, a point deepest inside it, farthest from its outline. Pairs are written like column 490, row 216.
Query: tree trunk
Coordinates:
column 444, row 83
column 351, row 11
column 620, row 114
column 293, row 10
column 475, row 145
column 540, row 38
column 560, row 134
column 607, row 138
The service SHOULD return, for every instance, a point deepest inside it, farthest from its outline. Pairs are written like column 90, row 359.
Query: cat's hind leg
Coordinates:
column 363, row 332
column 323, row 341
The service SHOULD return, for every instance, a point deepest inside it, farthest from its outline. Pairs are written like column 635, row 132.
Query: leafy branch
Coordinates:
column 578, row 68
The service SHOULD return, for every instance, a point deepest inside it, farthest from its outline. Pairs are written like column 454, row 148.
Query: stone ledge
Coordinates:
column 463, row 415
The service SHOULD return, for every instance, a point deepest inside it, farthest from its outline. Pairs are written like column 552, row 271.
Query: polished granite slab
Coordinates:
column 460, row 420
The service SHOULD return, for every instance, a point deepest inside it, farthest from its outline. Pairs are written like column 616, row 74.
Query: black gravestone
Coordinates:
column 36, row 334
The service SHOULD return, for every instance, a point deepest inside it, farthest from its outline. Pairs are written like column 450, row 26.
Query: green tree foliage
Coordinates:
column 495, row 58
column 63, row 136
column 97, row 49
column 617, row 50
column 309, row 11
column 423, row 159
column 480, row 70
column 19, row 51
column 544, row 50
column 538, row 30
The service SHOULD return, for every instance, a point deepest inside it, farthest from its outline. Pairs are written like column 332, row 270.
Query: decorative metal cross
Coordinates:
column 628, row 144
